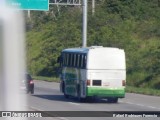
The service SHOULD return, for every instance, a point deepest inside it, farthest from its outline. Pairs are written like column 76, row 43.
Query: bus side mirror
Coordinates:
column 58, row 59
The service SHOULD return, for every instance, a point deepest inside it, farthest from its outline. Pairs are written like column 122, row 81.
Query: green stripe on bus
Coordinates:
column 105, row 92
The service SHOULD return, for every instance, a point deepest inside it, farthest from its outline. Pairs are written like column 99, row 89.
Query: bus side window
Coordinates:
column 84, row 61
column 76, row 60
column 82, row 56
column 74, row 64
column 72, row 60
column 80, row 61
column 64, row 59
column 67, row 58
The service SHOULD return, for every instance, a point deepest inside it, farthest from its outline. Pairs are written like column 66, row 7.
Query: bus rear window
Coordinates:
column 97, row 83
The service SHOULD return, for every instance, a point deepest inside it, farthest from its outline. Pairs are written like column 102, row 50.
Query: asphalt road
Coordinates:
column 47, row 97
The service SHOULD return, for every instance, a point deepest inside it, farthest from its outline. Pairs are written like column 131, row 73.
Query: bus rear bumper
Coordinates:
column 105, row 92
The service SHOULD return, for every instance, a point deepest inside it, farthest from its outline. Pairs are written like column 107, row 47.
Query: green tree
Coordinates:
column 132, row 25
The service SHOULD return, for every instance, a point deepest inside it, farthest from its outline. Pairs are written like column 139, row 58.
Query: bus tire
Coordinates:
column 32, row 91
column 113, row 100
column 64, row 91
column 63, row 86
column 80, row 99
column 66, row 96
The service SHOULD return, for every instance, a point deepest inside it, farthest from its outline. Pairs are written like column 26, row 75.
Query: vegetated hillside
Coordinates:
column 133, row 25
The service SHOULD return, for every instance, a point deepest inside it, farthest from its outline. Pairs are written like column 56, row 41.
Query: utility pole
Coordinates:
column 84, row 7
column 29, row 14
column 84, row 34
column 93, row 7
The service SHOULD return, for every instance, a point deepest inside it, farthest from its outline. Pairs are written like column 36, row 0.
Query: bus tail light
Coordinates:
column 123, row 83
column 88, row 82
column 31, row 82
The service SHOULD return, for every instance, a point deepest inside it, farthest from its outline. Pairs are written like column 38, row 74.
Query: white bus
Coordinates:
column 93, row 71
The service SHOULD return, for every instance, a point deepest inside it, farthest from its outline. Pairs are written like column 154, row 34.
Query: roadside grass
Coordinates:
column 145, row 91
column 129, row 89
column 48, row 79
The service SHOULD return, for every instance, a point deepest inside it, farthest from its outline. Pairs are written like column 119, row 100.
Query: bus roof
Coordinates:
column 85, row 50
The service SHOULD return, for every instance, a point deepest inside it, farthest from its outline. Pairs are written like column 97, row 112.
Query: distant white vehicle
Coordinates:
column 93, row 71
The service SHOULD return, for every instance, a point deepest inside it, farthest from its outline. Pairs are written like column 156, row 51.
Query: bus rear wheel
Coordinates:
column 113, row 100
column 80, row 99
column 64, row 91
column 66, row 96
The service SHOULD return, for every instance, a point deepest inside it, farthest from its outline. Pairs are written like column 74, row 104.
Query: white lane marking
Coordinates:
column 136, row 104
column 140, row 105
column 63, row 118
column 73, row 103
column 37, row 109
column 154, row 107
